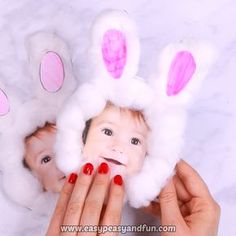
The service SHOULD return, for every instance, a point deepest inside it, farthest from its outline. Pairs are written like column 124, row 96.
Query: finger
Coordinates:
column 170, row 212
column 95, row 199
column 184, row 209
column 59, row 212
column 182, row 197
column 182, row 193
column 192, row 181
column 153, row 208
column 112, row 215
column 78, row 196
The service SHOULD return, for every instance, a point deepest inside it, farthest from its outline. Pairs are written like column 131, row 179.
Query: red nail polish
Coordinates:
column 72, row 178
column 103, row 168
column 118, row 180
column 88, row 169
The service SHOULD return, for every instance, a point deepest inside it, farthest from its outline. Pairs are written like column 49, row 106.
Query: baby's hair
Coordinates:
column 25, row 164
column 137, row 115
column 85, row 131
column 47, row 127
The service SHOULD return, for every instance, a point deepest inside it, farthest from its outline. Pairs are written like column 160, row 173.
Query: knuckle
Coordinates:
column 214, row 212
column 117, row 195
column 100, row 182
column 216, row 207
column 167, row 197
column 114, row 217
column 66, row 192
column 83, row 182
column 59, row 211
column 73, row 207
column 92, row 206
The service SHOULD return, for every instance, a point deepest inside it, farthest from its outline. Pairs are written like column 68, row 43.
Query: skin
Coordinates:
column 184, row 202
column 187, row 203
column 118, row 138
column 40, row 158
column 82, row 204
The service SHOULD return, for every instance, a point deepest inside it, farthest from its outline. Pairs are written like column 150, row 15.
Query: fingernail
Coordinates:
column 88, row 169
column 72, row 178
column 118, row 180
column 103, row 168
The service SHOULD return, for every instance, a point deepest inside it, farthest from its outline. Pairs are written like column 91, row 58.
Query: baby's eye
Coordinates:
column 107, row 132
column 135, row 141
column 46, row 159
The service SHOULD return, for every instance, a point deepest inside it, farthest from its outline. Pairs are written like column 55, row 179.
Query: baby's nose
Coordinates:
column 118, row 150
column 118, row 147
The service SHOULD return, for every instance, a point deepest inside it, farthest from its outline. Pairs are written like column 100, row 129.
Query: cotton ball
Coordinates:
column 26, row 189
column 68, row 144
column 90, row 100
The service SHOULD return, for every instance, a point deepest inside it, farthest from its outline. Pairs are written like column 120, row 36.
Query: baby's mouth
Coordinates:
column 112, row 161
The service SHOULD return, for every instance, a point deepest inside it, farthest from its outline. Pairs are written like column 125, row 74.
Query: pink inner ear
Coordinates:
column 4, row 104
column 181, row 71
column 114, row 52
column 51, row 72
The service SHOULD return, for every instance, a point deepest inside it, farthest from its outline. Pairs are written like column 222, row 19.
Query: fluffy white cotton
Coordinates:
column 165, row 115
column 27, row 114
column 37, row 45
column 119, row 20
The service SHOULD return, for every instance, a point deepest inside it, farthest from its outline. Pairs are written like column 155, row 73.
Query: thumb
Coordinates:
column 170, row 212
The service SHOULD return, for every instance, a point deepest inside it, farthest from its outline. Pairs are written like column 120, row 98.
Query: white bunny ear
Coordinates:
column 53, row 81
column 115, row 46
column 182, row 68
column 9, row 105
column 50, row 67
column 114, row 51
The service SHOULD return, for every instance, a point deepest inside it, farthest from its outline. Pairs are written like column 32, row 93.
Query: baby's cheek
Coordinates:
column 40, row 173
column 45, row 175
column 50, row 182
column 94, row 145
column 135, row 164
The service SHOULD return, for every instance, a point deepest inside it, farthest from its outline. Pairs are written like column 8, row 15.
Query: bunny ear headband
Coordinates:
column 50, row 69
column 163, row 99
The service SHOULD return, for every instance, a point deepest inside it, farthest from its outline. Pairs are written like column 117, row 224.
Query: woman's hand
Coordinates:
column 81, row 203
column 187, row 203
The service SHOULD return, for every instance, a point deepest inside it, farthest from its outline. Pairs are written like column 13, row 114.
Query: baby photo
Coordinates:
column 39, row 158
column 133, row 124
column 117, row 136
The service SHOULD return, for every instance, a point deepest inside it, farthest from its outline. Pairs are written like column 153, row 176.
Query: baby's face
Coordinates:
column 41, row 160
column 118, row 138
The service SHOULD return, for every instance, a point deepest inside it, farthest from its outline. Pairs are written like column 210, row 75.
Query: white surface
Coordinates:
column 211, row 130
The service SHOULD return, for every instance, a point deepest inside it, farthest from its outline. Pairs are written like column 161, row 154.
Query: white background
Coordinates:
column 211, row 130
